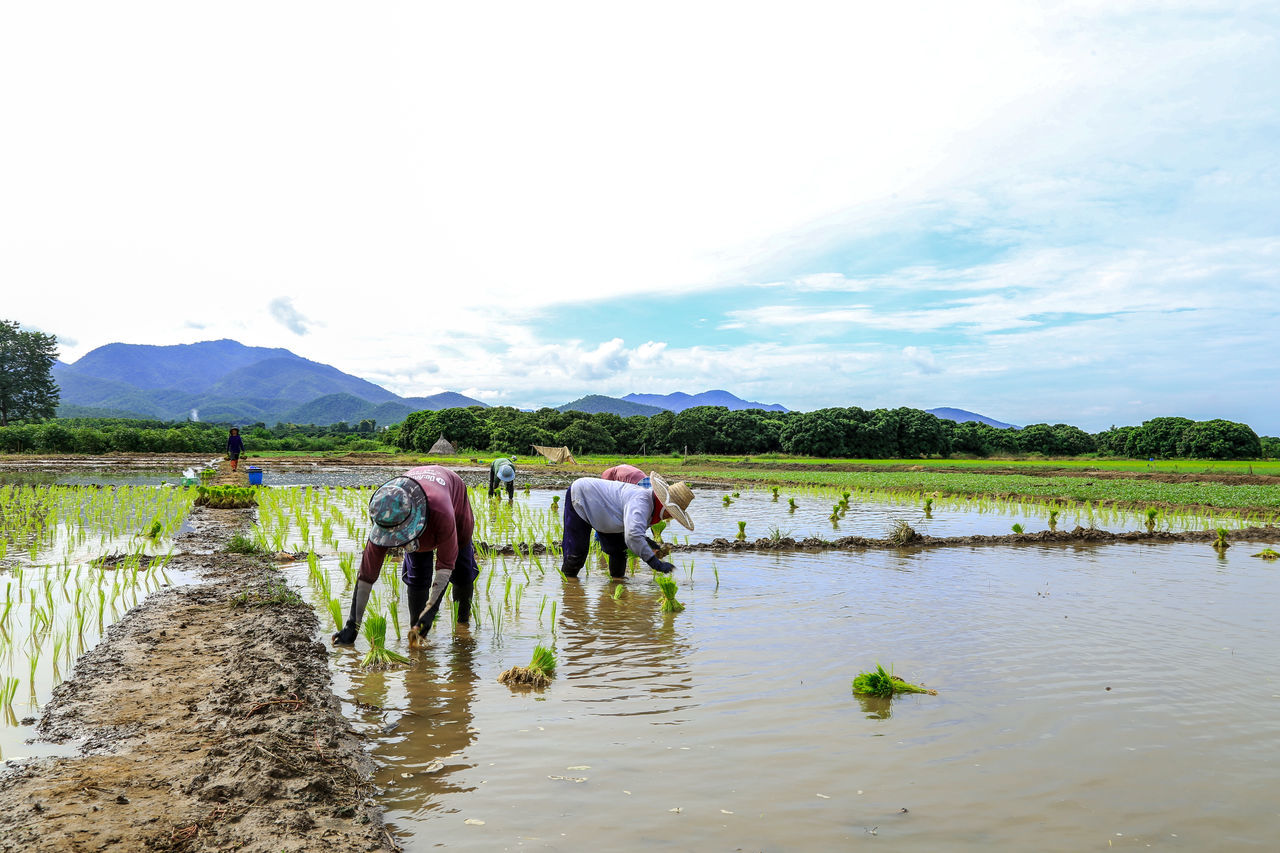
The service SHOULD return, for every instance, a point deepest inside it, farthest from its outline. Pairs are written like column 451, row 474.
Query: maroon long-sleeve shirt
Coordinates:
column 449, row 521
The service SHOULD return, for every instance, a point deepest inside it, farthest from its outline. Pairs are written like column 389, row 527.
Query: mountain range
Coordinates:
column 227, row 382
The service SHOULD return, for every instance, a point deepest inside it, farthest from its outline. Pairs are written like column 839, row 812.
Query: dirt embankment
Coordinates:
column 207, row 722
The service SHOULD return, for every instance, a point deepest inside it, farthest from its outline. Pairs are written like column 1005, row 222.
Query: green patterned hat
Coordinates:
column 397, row 512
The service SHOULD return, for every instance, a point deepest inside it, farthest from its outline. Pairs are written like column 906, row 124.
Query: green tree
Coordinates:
column 586, row 436
column 1158, row 438
column 1219, row 439
column 27, row 389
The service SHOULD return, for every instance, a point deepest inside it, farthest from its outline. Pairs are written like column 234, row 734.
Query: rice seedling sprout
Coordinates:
column 885, row 684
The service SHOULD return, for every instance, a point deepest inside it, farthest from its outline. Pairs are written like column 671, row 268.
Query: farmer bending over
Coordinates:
column 424, row 511
column 500, row 472
column 626, row 474
column 620, row 513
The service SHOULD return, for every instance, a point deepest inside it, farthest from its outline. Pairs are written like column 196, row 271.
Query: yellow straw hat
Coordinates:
column 675, row 497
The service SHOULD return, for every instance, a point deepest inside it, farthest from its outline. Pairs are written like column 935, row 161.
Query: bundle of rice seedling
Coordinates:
column 1265, row 553
column 379, row 656
column 881, row 683
column 537, row 674
column 668, row 589
column 335, row 610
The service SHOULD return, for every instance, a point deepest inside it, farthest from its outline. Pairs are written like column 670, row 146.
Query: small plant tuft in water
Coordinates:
column 1053, row 519
column 1017, row 528
column 668, row 588
column 881, row 683
column 1268, row 554
column 1152, row 512
column 774, row 489
column 1221, row 542
column 902, row 534
column 742, row 530
column 379, row 656
column 537, row 674
column 791, row 504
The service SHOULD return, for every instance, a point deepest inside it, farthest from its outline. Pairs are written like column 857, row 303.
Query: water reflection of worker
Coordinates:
column 627, row 656
column 621, row 514
column 424, row 511
column 438, row 728
column 235, row 447
column 503, row 472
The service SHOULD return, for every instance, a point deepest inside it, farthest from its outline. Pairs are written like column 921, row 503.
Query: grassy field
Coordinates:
column 1039, row 480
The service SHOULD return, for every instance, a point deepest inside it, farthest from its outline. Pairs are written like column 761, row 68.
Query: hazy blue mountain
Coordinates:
column 229, row 382
column 679, row 401
column 443, row 400
column 296, row 379
column 961, row 416
column 596, row 403
column 192, row 367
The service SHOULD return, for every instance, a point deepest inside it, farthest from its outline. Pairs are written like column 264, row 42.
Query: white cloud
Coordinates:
column 286, row 315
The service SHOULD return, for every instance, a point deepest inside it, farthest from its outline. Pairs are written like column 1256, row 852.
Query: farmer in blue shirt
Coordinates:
column 235, row 446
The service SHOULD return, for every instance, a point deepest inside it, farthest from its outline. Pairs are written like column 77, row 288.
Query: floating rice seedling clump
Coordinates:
column 1268, row 554
column 379, row 656
column 537, row 674
column 668, row 588
column 881, row 683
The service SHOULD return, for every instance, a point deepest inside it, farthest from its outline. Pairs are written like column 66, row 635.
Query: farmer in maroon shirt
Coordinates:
column 424, row 512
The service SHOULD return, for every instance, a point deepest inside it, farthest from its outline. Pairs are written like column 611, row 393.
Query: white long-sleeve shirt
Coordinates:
column 613, row 507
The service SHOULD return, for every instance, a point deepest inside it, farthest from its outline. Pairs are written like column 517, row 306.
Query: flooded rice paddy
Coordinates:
column 60, row 595
column 1121, row 695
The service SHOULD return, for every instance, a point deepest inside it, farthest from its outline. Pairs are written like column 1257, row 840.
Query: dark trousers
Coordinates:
column 577, row 542
column 495, row 485
column 419, row 568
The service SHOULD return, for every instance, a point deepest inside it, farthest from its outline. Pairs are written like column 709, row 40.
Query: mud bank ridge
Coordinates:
column 1077, row 536
column 205, row 720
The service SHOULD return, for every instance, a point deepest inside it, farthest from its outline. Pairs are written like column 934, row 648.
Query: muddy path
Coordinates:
column 205, row 720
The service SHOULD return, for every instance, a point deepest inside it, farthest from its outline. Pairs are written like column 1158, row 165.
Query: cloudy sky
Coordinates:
column 1060, row 212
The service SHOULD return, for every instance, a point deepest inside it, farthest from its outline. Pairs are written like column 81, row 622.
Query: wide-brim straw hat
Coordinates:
column 506, row 473
column 675, row 498
column 397, row 512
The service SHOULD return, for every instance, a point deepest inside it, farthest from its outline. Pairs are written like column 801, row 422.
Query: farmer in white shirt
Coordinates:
column 620, row 514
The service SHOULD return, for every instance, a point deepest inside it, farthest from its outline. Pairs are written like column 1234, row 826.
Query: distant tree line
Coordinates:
column 95, row 436
column 851, row 433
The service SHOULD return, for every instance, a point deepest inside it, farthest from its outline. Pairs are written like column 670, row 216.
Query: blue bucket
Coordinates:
column 255, row 475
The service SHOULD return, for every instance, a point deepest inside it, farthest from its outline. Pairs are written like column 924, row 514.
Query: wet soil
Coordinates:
column 1078, row 535
column 205, row 720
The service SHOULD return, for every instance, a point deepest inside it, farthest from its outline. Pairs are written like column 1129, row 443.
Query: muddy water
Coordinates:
column 869, row 516
column 731, row 725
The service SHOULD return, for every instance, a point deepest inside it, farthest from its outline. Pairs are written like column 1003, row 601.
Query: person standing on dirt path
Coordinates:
column 424, row 511
column 621, row 513
column 503, row 472
column 235, row 446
